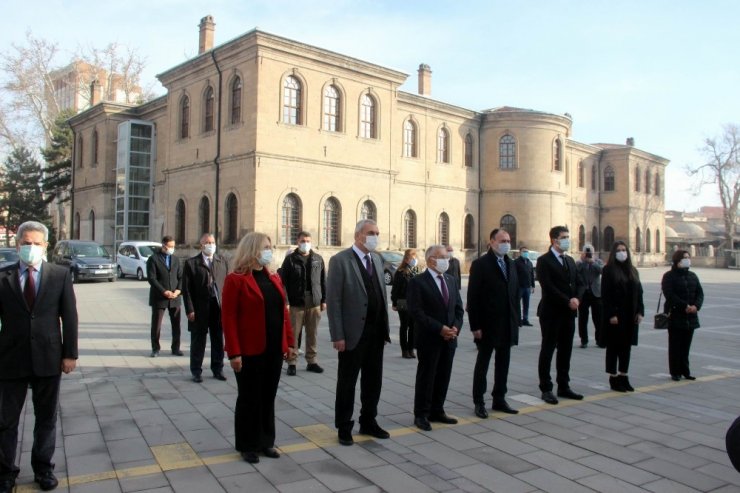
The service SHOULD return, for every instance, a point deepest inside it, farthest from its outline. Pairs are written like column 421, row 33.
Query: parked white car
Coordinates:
column 132, row 257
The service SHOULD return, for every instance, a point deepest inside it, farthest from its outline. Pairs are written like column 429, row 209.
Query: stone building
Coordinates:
column 270, row 134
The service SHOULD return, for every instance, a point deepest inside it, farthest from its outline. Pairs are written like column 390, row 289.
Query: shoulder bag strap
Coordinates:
column 657, row 310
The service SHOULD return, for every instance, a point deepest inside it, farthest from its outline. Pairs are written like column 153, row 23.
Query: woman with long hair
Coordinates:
column 258, row 337
column 623, row 310
column 683, row 299
column 401, row 279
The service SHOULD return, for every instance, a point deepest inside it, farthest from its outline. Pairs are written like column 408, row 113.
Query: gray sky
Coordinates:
column 665, row 72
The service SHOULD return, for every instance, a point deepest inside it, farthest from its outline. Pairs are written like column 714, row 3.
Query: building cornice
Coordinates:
column 425, row 103
column 628, row 151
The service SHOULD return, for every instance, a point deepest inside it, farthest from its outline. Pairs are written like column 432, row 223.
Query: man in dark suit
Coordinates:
column 202, row 284
column 557, row 310
column 454, row 270
column 589, row 270
column 38, row 341
column 525, row 273
column 164, row 274
column 493, row 311
column 433, row 300
column 358, row 323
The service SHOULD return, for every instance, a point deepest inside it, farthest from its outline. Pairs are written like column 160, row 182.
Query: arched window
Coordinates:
column 657, row 241
column 638, row 176
column 567, row 171
column 80, row 151
column 556, row 155
column 409, row 138
column 204, row 216
column 232, row 218
column 594, row 174
column 184, row 117
column 648, row 241
column 657, row 184
column 608, row 238
column 236, row 101
column 443, row 146
column 507, row 152
column 508, row 224
column 469, row 150
column 291, row 219
column 581, row 237
column 180, row 222
column 95, row 147
column 443, row 229
column 469, row 232
column 595, row 237
column 332, row 109
column 409, row 229
column 369, row 211
column 91, row 220
column 77, row 226
column 368, row 117
column 581, row 175
column 648, row 180
column 292, row 101
column 638, row 240
column 208, row 113
column 332, row 222
column 609, row 184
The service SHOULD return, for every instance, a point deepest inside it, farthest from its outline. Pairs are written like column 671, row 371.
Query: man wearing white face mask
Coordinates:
column 304, row 278
column 358, row 322
column 164, row 274
column 38, row 323
column 202, row 284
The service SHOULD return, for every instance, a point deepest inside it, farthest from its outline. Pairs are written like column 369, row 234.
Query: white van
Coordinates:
column 132, row 257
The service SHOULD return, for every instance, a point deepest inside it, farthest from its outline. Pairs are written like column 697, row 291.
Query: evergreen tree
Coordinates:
column 20, row 189
column 57, row 177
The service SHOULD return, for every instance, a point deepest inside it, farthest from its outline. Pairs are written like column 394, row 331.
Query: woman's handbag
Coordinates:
column 661, row 319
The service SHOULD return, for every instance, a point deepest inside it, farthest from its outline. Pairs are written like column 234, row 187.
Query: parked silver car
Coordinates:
column 132, row 257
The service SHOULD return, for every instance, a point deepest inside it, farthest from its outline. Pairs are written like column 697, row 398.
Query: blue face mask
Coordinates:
column 265, row 257
column 564, row 244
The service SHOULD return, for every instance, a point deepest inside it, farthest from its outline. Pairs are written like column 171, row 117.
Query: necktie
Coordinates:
column 502, row 266
column 29, row 290
column 565, row 264
column 369, row 265
column 445, row 293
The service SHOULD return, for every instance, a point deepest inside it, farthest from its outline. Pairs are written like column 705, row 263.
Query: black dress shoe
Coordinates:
column 6, row 485
column 250, row 457
column 584, row 345
column 549, row 397
column 46, row 480
column 675, row 378
column 503, row 407
column 442, row 418
column 219, row 376
column 154, row 354
column 422, row 423
column 177, row 352
column 689, row 377
column 345, row 437
column 374, row 431
column 314, row 367
column 480, row 411
column 412, row 354
column 526, row 323
column 291, row 370
column 271, row 452
column 569, row 394
column 197, row 379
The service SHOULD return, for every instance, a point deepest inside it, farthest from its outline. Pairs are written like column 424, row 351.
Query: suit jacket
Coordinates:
column 34, row 341
column 346, row 298
column 196, row 292
column 426, row 306
column 455, row 271
column 524, row 271
column 162, row 279
column 243, row 315
column 558, row 286
column 493, row 302
column 588, row 275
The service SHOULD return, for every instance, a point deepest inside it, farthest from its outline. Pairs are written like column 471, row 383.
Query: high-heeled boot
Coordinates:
column 616, row 384
column 626, row 383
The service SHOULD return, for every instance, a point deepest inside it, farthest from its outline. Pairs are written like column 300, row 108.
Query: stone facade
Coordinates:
column 269, row 134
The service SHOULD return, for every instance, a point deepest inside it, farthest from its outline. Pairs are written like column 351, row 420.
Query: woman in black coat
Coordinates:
column 623, row 310
column 683, row 299
column 401, row 279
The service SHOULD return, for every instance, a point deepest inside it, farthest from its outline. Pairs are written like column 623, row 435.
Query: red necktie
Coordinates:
column 29, row 290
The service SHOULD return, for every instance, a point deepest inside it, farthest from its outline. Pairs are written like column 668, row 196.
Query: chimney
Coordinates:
column 631, row 141
column 96, row 92
column 425, row 80
column 207, row 30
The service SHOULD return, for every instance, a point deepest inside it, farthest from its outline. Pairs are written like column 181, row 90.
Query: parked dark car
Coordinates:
column 85, row 260
column 391, row 261
column 8, row 256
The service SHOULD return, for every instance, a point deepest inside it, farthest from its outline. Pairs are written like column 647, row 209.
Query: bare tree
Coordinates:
column 120, row 67
column 722, row 168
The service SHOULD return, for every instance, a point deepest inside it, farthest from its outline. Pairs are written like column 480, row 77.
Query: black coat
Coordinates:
column 620, row 298
column 426, row 306
column 400, row 284
column 33, row 342
column 493, row 302
column 162, row 279
column 196, row 293
column 682, row 288
column 293, row 275
column 558, row 285
column 524, row 271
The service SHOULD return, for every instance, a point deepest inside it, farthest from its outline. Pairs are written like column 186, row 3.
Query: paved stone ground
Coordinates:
column 130, row 423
